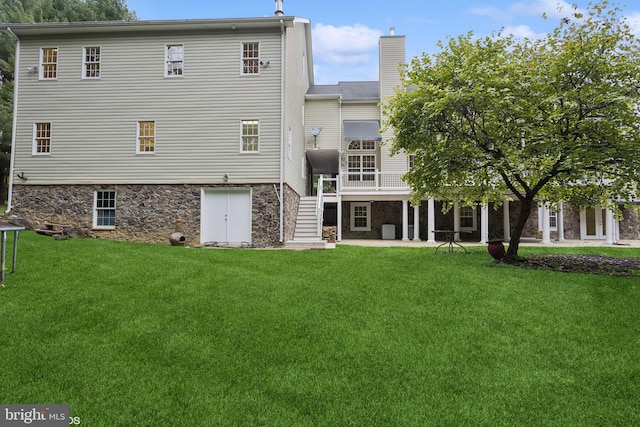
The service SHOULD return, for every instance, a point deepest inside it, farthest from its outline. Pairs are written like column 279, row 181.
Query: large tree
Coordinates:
column 31, row 11
column 543, row 120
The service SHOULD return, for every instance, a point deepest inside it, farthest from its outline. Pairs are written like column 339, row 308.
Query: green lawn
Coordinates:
column 148, row 335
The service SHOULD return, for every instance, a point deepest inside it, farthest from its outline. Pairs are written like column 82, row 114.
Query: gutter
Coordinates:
column 16, row 72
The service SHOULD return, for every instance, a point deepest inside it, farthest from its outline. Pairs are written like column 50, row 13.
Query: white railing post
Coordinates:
column 320, row 205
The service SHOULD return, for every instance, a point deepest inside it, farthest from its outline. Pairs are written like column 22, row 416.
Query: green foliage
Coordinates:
column 140, row 335
column 553, row 119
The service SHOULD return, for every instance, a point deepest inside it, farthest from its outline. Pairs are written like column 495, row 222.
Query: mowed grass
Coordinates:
column 148, row 335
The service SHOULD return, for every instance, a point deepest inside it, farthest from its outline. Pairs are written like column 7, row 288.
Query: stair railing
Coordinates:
column 320, row 206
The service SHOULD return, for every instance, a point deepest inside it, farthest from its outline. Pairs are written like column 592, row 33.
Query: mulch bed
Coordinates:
column 594, row 264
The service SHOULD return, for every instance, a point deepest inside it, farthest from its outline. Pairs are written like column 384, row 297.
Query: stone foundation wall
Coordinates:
column 391, row 213
column 144, row 213
column 629, row 225
column 291, row 205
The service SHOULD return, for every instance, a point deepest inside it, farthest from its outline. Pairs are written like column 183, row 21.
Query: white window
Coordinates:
column 468, row 218
column 250, row 136
column 174, row 60
column 49, row 63
column 367, row 145
column 361, row 167
column 361, row 216
column 411, row 161
column 104, row 209
column 146, row 143
column 91, row 61
column 553, row 219
column 250, row 58
column 41, row 138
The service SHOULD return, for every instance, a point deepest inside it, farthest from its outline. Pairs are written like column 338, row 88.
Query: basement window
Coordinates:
column 104, row 212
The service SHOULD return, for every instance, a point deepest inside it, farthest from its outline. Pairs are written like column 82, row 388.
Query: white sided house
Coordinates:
column 127, row 128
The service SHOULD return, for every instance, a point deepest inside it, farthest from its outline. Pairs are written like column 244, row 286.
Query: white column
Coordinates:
column 609, row 227
column 431, row 220
column 560, row 222
column 416, row 223
column 484, row 224
column 506, row 220
column 339, row 225
column 405, row 220
column 456, row 220
column 546, row 229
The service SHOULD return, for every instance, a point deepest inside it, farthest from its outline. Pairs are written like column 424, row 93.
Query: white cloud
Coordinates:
column 633, row 19
column 552, row 8
column 491, row 12
column 522, row 32
column 355, row 44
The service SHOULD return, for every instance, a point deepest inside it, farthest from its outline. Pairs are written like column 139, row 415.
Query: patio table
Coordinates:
column 450, row 240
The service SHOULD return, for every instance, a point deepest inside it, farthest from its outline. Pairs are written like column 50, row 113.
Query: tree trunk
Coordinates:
column 526, row 204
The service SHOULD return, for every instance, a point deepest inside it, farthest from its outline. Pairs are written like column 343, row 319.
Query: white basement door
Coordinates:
column 225, row 216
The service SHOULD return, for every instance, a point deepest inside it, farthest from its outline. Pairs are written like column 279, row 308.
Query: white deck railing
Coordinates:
column 377, row 180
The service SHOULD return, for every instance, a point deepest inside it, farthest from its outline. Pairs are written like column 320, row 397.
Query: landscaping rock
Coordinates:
column 594, row 264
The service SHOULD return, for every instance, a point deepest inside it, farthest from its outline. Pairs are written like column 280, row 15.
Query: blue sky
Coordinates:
column 346, row 32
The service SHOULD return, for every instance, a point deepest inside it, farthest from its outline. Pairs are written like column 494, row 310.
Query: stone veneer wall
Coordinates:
column 291, row 205
column 391, row 213
column 630, row 225
column 144, row 213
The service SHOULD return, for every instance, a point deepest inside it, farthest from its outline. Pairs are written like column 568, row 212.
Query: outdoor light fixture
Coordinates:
column 32, row 70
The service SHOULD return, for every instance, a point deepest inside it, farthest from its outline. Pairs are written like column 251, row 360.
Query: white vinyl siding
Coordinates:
column 199, row 113
column 91, row 62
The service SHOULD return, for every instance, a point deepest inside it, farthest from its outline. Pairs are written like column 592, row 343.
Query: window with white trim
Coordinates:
column 468, row 218
column 361, row 167
column 411, row 161
column 91, row 61
column 174, row 60
column 250, row 136
column 361, row 216
column 553, row 219
column 41, row 138
column 250, row 58
column 49, row 63
column 104, row 209
column 146, row 143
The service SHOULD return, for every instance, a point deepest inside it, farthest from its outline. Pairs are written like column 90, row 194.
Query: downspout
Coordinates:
column 282, row 124
column 339, row 180
column 15, row 118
